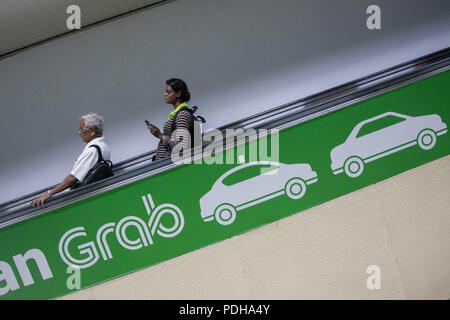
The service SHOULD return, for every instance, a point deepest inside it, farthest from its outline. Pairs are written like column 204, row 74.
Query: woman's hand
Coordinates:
column 154, row 130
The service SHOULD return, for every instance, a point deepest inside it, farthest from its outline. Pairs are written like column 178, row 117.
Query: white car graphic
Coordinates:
column 361, row 148
column 223, row 201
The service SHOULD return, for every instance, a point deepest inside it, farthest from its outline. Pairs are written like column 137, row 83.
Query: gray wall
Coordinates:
column 238, row 57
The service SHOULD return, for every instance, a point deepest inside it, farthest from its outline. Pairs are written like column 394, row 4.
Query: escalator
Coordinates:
column 152, row 211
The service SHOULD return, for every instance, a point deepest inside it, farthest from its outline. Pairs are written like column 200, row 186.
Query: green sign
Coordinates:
column 194, row 205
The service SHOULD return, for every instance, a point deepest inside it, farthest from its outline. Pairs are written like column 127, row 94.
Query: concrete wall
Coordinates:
column 400, row 224
column 239, row 57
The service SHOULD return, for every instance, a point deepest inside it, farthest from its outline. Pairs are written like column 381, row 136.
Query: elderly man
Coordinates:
column 91, row 132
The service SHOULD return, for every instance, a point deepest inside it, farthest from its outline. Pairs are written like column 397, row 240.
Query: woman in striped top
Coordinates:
column 177, row 95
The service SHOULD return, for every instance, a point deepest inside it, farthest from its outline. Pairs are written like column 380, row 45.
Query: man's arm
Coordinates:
column 66, row 183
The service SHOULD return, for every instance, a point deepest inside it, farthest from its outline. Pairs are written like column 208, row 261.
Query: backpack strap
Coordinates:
column 193, row 109
column 200, row 118
column 100, row 156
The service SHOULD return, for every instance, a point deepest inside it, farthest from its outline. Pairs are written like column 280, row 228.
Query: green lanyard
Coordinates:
column 184, row 104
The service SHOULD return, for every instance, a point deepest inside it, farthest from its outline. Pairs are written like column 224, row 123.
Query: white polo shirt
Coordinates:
column 89, row 157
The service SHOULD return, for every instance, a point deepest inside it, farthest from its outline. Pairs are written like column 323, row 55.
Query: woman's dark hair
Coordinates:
column 179, row 85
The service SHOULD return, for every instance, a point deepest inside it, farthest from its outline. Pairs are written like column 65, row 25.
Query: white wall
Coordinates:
column 238, row 57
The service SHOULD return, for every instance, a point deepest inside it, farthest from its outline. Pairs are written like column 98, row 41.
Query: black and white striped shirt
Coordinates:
column 182, row 127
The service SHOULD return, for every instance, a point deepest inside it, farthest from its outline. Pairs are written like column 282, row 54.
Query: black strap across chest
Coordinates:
column 100, row 156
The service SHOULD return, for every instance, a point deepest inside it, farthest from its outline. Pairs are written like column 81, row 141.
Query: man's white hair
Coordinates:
column 93, row 120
